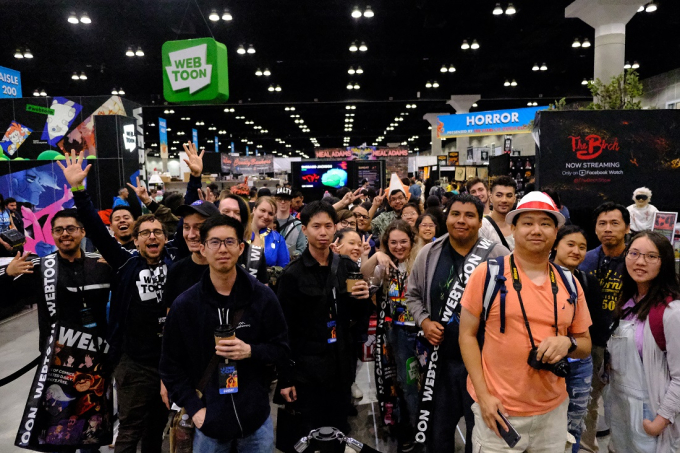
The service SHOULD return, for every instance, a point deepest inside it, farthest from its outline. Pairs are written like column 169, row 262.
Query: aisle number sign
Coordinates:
column 195, row 70
column 10, row 83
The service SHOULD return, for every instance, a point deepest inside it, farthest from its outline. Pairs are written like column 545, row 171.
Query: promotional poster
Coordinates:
column 396, row 159
column 248, row 165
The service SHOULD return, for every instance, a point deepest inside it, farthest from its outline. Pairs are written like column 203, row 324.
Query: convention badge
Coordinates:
column 228, row 379
column 332, row 332
column 412, row 371
column 87, row 318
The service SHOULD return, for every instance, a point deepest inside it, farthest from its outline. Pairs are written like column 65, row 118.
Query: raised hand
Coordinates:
column 378, row 200
column 335, row 248
column 141, row 192
column 73, row 171
column 20, row 265
column 365, row 245
column 193, row 160
column 200, row 194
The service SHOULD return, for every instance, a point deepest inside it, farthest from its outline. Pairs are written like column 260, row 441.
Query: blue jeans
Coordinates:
column 578, row 387
column 402, row 342
column 261, row 440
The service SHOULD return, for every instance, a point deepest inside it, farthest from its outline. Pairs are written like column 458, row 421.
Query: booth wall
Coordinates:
column 662, row 89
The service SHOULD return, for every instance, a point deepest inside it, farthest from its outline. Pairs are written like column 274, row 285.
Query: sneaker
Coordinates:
column 356, row 391
column 406, row 447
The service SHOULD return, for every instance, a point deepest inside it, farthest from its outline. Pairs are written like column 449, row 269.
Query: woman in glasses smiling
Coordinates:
column 643, row 402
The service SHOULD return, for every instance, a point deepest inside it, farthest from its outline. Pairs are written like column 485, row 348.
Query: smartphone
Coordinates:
column 511, row 437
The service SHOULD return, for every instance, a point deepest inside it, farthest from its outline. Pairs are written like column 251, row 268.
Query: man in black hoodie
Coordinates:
column 234, row 410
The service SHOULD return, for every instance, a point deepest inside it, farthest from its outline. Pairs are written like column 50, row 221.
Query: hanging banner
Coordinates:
column 194, row 137
column 453, row 158
column 249, row 165
column 163, row 137
column 217, row 144
column 396, row 159
column 496, row 122
column 10, row 83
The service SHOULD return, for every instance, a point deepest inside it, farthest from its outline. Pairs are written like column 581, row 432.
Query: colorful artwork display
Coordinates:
column 57, row 124
column 14, row 137
column 82, row 137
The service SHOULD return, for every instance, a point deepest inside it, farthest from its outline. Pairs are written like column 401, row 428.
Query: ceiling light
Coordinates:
column 356, row 13
column 435, row 84
column 506, row 83
column 266, row 72
column 75, row 76
column 271, row 88
column 214, row 16
column 651, row 7
column 535, row 67
column 85, row 19
column 369, row 12
column 465, row 45
column 443, row 69
column 83, row 76
column 28, row 54
column 363, row 47
column 626, row 66
column 452, row 68
column 586, row 43
column 474, row 45
column 428, row 84
column 121, row 92
column 535, row 103
column 139, row 52
column 356, row 86
column 129, row 52
column 43, row 93
column 251, row 49
column 576, row 43
column 635, row 65
column 350, row 86
column 529, row 104
column 584, row 82
column 544, row 67
column 114, row 92
column 278, row 88
column 240, row 50
column 353, row 47
column 511, row 10
column 72, row 19
column 513, row 83
column 226, row 15
column 474, row 104
column 641, row 8
column 359, row 70
column 36, row 92
column 497, row 11
column 351, row 70
column 18, row 54
column 258, row 72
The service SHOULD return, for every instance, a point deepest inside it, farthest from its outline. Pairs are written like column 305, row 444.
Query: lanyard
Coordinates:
column 518, row 288
column 262, row 236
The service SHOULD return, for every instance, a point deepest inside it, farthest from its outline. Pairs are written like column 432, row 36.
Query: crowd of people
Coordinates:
column 488, row 308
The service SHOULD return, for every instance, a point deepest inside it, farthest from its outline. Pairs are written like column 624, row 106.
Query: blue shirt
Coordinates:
column 4, row 220
column 117, row 201
column 275, row 249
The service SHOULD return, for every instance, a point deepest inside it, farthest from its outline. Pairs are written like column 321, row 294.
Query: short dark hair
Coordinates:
column 564, row 231
column 317, row 207
column 474, row 182
column 467, row 198
column 147, row 218
column 505, row 181
column 341, row 192
column 448, row 195
column 609, row 206
column 413, row 205
column 121, row 207
column 340, row 234
column 218, row 221
column 555, row 195
column 9, row 200
column 264, row 192
column 67, row 214
column 243, row 208
column 433, row 218
column 213, row 187
column 297, row 194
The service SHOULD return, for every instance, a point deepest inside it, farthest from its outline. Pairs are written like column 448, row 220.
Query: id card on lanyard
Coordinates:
column 331, row 324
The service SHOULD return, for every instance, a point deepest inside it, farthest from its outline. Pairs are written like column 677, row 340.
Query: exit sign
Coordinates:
column 195, row 70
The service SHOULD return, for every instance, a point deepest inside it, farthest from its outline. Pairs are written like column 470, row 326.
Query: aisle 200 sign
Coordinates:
column 195, row 70
column 10, row 83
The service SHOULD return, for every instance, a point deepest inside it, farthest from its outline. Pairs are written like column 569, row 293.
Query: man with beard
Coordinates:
column 396, row 199
column 297, row 203
column 478, row 188
column 494, row 227
column 434, row 289
column 137, row 316
column 23, row 277
column 121, row 225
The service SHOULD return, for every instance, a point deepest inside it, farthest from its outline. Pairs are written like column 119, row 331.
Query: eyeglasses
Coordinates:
column 146, row 233
column 404, row 243
column 651, row 258
column 427, row 225
column 69, row 229
column 348, row 224
column 215, row 244
column 361, row 216
column 410, row 215
column 398, row 198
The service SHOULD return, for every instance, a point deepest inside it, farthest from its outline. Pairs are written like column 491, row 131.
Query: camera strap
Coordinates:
column 517, row 285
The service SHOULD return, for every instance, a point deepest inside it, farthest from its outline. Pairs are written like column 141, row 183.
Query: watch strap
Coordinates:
column 77, row 188
column 573, row 346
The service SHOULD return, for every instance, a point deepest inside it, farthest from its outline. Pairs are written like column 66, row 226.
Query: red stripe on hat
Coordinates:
column 538, row 205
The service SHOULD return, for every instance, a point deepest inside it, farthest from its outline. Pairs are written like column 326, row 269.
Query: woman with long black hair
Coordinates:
column 643, row 399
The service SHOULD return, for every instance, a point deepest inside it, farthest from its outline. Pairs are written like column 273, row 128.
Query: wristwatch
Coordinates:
column 573, row 346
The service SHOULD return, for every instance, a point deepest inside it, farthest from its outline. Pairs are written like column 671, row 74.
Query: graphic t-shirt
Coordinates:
column 641, row 218
column 609, row 273
column 146, row 316
column 397, row 295
column 4, row 221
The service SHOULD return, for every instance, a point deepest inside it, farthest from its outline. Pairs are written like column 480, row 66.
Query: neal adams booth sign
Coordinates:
column 195, row 70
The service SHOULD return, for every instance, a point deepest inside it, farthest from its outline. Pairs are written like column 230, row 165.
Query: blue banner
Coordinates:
column 217, row 144
column 194, row 137
column 496, row 122
column 163, row 137
column 10, row 83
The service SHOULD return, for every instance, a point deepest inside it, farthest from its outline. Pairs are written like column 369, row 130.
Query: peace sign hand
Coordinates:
column 365, row 245
column 20, row 265
column 141, row 192
column 378, row 200
column 193, row 160
column 335, row 248
column 73, row 171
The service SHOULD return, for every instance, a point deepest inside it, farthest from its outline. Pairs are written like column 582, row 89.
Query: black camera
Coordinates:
column 560, row 368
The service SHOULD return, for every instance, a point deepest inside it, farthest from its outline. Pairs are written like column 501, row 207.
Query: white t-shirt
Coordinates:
column 641, row 218
column 487, row 231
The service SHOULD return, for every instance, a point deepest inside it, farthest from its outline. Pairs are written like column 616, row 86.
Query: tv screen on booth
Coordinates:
column 322, row 175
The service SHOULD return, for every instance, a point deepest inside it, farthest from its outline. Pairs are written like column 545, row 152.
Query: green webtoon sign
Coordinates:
column 195, row 70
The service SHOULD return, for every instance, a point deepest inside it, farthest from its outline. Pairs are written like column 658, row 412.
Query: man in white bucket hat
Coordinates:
column 533, row 315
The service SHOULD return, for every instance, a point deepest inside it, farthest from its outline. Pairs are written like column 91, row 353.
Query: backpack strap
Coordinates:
column 495, row 277
column 498, row 231
column 656, row 323
column 569, row 281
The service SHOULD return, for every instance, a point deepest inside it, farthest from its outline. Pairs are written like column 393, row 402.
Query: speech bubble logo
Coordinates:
column 189, row 69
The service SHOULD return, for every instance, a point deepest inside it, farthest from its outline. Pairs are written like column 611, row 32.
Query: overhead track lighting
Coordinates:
column 506, row 83
column 465, row 45
column 474, row 45
column 83, row 76
column 435, row 84
column 258, row 72
column 635, row 65
column 443, row 69
column 353, row 47
column 544, row 67
column 266, row 72
column 535, row 67
column 584, row 82
column 452, row 68
column 214, row 16
column 359, row 70
column 36, row 92
column 18, row 54
column 356, row 13
column 139, row 52
column 513, row 83
column 510, row 10
column 369, row 12
column 497, row 11
column 121, row 92
column 85, row 19
column 351, row 71
column 586, row 43
column 72, row 18
column 75, row 76
column 129, row 52
column 251, row 49
column 241, row 50
column 651, row 7
column 626, row 66
column 43, row 93
column 226, row 15
column 278, row 88
column 576, row 43
column 363, row 47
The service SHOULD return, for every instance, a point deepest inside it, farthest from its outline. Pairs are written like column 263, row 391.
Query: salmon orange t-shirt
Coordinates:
column 524, row 391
